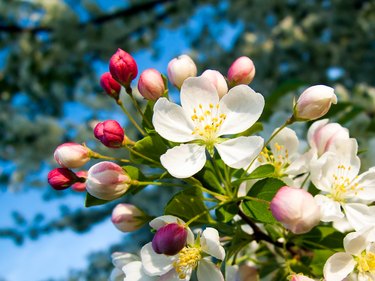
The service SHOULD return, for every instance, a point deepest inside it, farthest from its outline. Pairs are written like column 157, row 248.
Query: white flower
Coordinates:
column 119, row 260
column 359, row 258
column 336, row 175
column 201, row 119
column 179, row 267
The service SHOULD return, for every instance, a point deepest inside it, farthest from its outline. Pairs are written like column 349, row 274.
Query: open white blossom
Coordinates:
column 119, row 260
column 336, row 175
column 200, row 122
column 358, row 261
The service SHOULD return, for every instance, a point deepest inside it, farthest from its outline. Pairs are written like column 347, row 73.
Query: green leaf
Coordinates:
column 93, row 201
column 264, row 171
column 151, row 146
column 188, row 204
column 226, row 212
column 148, row 113
column 265, row 190
column 207, row 176
column 257, row 127
column 321, row 237
column 240, row 239
column 319, row 259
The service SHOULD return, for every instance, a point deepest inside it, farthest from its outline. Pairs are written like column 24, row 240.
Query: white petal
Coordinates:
column 184, row 160
column 342, row 225
column 210, row 243
column 173, row 276
column 155, row 264
column 239, row 152
column 242, row 107
column 366, row 186
column 171, row 122
column 197, row 91
column 330, row 210
column 116, row 275
column 288, row 139
column 119, row 259
column 356, row 242
column 311, row 133
column 359, row 215
column 207, row 271
column 338, row 266
column 134, row 272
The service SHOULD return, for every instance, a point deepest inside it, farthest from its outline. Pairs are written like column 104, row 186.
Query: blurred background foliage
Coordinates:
column 54, row 51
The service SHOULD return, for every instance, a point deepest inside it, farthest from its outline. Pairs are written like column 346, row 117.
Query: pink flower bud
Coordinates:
column 242, row 71
column 296, row 209
column 323, row 135
column 300, row 277
column 218, row 80
column 110, row 133
column 123, row 67
column 169, row 239
column 71, row 155
column 110, row 85
column 181, row 68
column 61, row 178
column 314, row 102
column 151, row 84
column 80, row 186
column 127, row 217
column 107, row 181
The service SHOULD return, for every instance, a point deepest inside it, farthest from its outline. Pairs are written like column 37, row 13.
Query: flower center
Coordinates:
column 278, row 157
column 342, row 185
column 187, row 260
column 207, row 122
column 366, row 262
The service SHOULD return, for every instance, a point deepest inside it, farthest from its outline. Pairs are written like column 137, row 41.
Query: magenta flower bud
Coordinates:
column 218, row 80
column 127, row 217
column 71, row 155
column 181, row 68
column 169, row 239
column 242, row 71
column 314, row 103
column 110, row 133
column 151, row 84
column 80, row 186
column 123, row 67
column 107, row 181
column 110, row 85
column 61, row 178
column 296, row 209
column 300, row 277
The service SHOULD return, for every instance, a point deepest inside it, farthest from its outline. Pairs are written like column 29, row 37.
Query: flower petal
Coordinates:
column 173, row 276
column 359, row 215
column 330, row 210
column 286, row 138
column 184, row 160
column 338, row 266
column 356, row 242
column 210, row 243
column 155, row 264
column 198, row 92
column 171, row 122
column 239, row 152
column 134, row 272
column 208, row 271
column 119, row 259
column 366, row 186
column 242, row 107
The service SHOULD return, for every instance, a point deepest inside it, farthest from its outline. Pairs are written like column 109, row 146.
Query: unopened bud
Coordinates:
column 242, row 71
column 110, row 85
column 80, row 186
column 151, row 84
column 71, row 155
column 61, row 178
column 181, row 68
column 170, row 239
column 107, row 181
column 314, row 103
column 110, row 133
column 296, row 209
column 127, row 217
column 123, row 67
column 300, row 277
column 218, row 80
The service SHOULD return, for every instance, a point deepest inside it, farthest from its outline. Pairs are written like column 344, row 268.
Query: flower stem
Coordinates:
column 96, row 155
column 206, row 212
column 220, row 175
column 142, row 156
column 129, row 91
column 119, row 102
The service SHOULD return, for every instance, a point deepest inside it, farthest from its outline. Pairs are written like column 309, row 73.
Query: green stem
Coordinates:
column 119, row 102
column 207, row 211
column 96, row 155
column 142, row 156
column 254, row 199
column 196, row 183
column 220, row 175
column 130, row 93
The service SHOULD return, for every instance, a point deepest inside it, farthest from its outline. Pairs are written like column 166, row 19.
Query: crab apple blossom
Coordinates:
column 123, row 67
column 181, row 68
column 80, row 186
column 110, row 133
column 169, row 239
column 119, row 260
column 314, row 102
column 218, row 80
column 127, row 217
column 151, row 84
column 61, row 178
column 200, row 121
column 242, row 71
column 110, row 85
column 71, row 155
column 296, row 209
column 107, row 181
